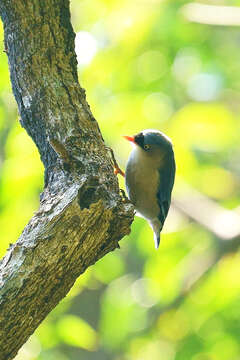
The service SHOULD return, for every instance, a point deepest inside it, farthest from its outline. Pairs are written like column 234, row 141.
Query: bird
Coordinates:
column 149, row 177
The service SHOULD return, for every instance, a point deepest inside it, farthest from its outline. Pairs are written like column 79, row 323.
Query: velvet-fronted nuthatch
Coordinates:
column 150, row 177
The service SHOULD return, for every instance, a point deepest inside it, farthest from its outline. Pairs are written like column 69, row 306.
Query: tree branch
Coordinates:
column 81, row 215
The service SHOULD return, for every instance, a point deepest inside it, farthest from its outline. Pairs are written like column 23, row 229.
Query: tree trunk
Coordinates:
column 81, row 215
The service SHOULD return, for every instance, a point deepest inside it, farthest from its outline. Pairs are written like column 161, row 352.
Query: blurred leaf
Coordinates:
column 109, row 268
column 128, row 316
column 209, row 126
column 47, row 335
column 75, row 331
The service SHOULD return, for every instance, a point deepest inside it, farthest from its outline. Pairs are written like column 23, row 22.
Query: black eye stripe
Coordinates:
column 139, row 139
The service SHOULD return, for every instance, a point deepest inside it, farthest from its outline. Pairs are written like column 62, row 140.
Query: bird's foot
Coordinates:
column 117, row 169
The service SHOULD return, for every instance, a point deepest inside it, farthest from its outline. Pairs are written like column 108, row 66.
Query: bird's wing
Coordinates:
column 166, row 181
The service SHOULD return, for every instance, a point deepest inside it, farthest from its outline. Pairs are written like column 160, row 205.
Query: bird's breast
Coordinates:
column 142, row 179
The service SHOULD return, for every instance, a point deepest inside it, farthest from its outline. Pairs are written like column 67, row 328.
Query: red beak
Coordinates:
column 129, row 138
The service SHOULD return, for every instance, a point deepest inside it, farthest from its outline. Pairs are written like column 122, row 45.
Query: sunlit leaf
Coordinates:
column 75, row 331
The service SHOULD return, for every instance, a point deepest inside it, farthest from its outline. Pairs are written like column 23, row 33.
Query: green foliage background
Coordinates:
column 148, row 67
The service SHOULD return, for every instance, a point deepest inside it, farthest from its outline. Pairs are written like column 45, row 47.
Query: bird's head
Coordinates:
column 151, row 141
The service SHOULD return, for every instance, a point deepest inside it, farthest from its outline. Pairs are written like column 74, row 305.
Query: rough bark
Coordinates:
column 81, row 215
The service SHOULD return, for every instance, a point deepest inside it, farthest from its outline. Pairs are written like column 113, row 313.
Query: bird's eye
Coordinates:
column 146, row 147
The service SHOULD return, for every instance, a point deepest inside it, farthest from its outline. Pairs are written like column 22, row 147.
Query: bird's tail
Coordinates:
column 157, row 227
column 157, row 240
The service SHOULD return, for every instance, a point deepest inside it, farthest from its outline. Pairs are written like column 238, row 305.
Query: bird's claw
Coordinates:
column 117, row 169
